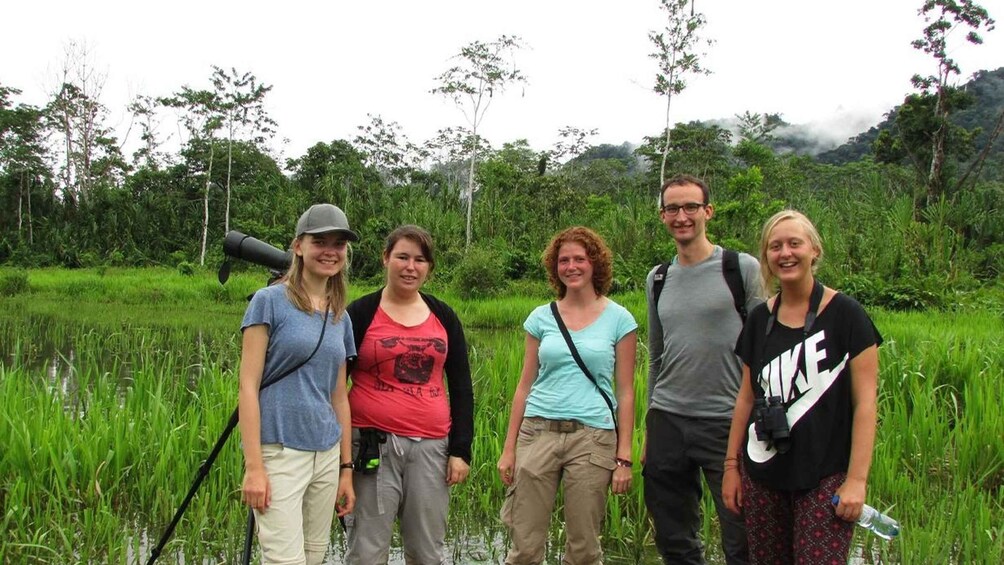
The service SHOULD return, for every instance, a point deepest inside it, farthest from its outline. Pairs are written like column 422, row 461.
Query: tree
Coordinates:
column 700, row 149
column 388, row 150
column 448, row 154
column 943, row 19
column 675, row 51
column 22, row 154
column 75, row 114
column 202, row 118
column 144, row 114
column 572, row 142
column 240, row 102
column 483, row 70
column 915, row 123
column 758, row 128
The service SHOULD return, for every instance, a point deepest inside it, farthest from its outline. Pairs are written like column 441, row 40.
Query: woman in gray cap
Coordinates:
column 295, row 434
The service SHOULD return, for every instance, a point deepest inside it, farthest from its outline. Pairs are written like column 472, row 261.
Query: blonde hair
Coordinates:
column 336, row 290
column 767, row 279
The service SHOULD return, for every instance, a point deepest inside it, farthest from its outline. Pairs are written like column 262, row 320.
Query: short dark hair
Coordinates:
column 597, row 251
column 680, row 180
column 415, row 234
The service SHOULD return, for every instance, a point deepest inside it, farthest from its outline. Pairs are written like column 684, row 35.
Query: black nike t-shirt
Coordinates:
column 812, row 374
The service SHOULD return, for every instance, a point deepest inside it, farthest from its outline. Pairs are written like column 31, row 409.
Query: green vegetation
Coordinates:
column 111, row 396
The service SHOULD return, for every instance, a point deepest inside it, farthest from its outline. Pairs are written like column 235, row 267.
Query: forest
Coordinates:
column 910, row 210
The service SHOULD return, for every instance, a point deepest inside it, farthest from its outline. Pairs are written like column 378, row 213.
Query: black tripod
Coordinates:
column 208, row 463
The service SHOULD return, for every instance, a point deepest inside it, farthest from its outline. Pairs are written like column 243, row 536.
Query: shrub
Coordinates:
column 178, row 257
column 186, row 268
column 14, row 282
column 479, row 274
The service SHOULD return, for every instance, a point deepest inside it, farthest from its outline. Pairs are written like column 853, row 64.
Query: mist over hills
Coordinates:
column 987, row 88
column 835, row 142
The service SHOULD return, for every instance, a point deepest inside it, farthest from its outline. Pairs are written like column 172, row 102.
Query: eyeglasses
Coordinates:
column 690, row 208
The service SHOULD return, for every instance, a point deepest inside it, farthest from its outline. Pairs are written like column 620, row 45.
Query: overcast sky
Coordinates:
column 836, row 64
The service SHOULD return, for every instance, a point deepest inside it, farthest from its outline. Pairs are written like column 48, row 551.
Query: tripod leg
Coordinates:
column 248, row 538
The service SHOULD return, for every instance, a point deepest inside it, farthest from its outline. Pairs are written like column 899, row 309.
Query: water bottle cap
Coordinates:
column 835, row 500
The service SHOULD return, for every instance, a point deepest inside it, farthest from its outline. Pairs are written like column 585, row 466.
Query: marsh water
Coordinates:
column 186, row 378
column 93, row 371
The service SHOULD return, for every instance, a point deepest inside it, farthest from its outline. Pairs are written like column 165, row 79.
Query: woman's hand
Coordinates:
column 621, row 481
column 345, row 499
column 852, row 498
column 456, row 470
column 506, row 466
column 256, row 491
column 732, row 490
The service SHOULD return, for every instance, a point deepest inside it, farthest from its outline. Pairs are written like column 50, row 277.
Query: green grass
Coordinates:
column 115, row 385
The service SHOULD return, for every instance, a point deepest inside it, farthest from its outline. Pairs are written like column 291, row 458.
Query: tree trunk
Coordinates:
column 937, row 147
column 68, row 146
column 31, row 234
column 470, row 185
column 665, row 148
column 205, row 206
column 20, row 198
column 230, row 159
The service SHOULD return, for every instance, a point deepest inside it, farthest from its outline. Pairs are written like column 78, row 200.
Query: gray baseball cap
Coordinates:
column 324, row 218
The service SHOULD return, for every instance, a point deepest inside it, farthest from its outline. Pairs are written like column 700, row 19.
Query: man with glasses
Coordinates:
column 695, row 314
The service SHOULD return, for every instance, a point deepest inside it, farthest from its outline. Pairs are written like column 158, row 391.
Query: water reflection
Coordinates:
column 68, row 357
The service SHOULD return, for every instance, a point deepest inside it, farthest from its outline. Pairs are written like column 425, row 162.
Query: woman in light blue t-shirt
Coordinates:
column 567, row 426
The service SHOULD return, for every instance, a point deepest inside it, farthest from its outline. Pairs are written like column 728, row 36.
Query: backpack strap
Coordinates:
column 730, row 271
column 658, row 282
column 734, row 278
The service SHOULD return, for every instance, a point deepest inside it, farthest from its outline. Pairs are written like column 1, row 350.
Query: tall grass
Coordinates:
column 109, row 402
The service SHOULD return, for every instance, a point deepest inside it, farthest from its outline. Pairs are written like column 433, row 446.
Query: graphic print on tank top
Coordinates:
column 413, row 362
column 783, row 376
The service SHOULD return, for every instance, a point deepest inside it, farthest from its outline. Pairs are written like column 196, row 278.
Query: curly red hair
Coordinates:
column 596, row 249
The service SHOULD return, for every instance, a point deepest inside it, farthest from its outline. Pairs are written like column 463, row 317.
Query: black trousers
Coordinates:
column 678, row 450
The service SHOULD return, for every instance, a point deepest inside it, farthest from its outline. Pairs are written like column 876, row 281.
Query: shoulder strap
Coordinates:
column 734, row 278
column 291, row 370
column 658, row 282
column 578, row 360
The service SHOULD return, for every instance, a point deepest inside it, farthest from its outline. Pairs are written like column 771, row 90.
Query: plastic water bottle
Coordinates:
column 881, row 525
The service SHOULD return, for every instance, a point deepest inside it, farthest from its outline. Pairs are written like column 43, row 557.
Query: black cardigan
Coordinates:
column 457, row 368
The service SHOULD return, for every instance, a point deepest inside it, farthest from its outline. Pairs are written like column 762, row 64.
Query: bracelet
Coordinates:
column 623, row 462
column 345, row 466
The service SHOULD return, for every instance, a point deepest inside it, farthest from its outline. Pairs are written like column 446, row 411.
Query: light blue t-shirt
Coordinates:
column 561, row 390
column 296, row 411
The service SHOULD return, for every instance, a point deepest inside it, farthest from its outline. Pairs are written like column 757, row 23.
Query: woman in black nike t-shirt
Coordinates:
column 804, row 422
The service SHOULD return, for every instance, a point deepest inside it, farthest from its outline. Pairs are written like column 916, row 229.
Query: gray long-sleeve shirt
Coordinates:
column 693, row 370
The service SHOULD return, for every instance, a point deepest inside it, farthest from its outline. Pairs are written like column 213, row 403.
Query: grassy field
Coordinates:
column 114, row 385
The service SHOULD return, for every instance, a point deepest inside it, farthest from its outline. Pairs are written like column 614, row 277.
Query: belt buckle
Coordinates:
column 567, row 426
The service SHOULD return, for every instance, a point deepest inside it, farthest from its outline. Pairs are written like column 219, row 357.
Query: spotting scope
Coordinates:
column 242, row 246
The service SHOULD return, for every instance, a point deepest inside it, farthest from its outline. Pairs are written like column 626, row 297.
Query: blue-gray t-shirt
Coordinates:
column 296, row 411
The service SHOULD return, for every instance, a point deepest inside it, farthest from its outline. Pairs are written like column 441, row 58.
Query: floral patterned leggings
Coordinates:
column 795, row 527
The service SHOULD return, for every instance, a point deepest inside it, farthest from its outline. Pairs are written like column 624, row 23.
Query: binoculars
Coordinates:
column 770, row 420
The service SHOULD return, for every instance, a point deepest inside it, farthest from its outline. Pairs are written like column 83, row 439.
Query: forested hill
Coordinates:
column 987, row 88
